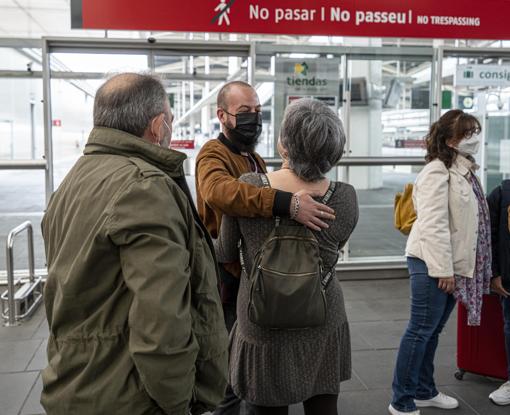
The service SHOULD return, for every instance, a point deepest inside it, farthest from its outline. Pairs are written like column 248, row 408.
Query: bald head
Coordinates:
column 234, row 93
column 129, row 102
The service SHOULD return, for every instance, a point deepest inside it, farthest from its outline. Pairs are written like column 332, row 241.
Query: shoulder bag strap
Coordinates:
column 241, row 255
column 329, row 193
column 265, row 180
column 327, row 197
column 242, row 260
column 327, row 277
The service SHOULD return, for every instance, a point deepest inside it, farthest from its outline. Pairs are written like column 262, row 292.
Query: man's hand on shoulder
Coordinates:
column 305, row 210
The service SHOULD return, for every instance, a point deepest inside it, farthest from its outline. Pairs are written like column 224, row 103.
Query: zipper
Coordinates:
column 301, row 274
column 295, row 238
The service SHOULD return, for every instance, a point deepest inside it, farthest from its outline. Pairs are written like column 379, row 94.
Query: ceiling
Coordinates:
column 34, row 18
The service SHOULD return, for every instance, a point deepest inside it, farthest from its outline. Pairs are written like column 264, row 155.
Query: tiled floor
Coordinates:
column 378, row 311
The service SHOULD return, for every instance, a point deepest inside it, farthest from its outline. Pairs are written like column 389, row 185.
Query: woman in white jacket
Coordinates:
column 448, row 255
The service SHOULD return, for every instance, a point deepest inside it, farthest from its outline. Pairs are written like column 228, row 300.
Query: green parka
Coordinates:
column 136, row 325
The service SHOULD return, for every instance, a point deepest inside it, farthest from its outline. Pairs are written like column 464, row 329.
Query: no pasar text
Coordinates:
column 300, row 15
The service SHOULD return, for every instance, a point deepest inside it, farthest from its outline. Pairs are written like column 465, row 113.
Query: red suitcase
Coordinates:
column 481, row 350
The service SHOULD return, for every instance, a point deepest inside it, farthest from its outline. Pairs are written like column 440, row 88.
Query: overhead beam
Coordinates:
column 163, row 47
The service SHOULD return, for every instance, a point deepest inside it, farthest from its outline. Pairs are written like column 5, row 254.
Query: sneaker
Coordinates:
column 502, row 395
column 393, row 411
column 439, row 401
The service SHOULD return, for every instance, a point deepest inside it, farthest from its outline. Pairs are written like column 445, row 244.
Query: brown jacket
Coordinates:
column 219, row 165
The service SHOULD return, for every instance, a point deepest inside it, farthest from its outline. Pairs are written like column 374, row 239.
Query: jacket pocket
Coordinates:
column 203, row 268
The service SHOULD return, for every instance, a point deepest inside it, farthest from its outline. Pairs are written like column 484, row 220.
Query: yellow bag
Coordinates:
column 405, row 214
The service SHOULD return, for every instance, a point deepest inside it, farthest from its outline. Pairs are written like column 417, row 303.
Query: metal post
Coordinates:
column 32, row 129
column 483, row 100
column 48, row 137
column 192, row 97
column 252, row 60
column 433, row 85
column 31, row 257
column 437, row 104
column 346, row 112
column 12, row 140
column 151, row 62
column 9, row 255
column 9, row 251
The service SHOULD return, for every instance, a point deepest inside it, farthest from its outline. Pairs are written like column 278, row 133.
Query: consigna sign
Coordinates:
column 469, row 19
column 483, row 75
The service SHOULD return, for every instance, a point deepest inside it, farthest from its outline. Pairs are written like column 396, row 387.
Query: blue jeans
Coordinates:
column 506, row 316
column 430, row 309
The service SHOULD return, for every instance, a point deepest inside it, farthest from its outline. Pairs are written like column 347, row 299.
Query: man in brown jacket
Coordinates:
column 219, row 164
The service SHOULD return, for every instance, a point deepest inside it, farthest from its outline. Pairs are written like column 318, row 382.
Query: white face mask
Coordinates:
column 469, row 147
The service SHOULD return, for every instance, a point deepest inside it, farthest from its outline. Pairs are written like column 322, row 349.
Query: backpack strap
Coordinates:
column 329, row 193
column 241, row 255
column 265, row 180
column 327, row 277
column 265, row 183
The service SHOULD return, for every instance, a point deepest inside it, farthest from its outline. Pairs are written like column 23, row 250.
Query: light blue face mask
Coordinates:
column 470, row 146
column 165, row 143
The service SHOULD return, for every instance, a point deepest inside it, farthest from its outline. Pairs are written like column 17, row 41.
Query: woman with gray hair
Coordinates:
column 271, row 369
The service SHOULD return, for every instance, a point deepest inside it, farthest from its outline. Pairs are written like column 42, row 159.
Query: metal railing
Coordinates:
column 20, row 304
column 364, row 161
column 22, row 164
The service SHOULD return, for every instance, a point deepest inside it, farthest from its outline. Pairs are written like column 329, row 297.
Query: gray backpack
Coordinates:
column 287, row 280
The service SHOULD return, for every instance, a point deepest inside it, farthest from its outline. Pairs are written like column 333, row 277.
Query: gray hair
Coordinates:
column 314, row 137
column 128, row 102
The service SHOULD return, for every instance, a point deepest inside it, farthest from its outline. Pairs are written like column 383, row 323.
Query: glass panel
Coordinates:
column 299, row 75
column 23, row 199
column 72, row 105
column 375, row 235
column 491, row 105
column 73, row 101
column 100, row 62
column 21, row 59
column 193, row 102
column 498, row 147
column 390, row 107
column 21, row 119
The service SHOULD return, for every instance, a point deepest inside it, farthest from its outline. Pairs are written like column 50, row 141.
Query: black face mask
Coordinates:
column 248, row 128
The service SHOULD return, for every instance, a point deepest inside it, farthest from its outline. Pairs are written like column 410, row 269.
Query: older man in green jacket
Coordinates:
column 136, row 324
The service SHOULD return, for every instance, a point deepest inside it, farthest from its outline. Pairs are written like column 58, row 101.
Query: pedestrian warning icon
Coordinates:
column 222, row 13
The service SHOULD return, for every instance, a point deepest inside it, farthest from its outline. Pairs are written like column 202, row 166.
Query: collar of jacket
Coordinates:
column 464, row 165
column 229, row 144
column 110, row 141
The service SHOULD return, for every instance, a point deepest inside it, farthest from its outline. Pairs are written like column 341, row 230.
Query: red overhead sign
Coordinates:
column 182, row 144
column 460, row 19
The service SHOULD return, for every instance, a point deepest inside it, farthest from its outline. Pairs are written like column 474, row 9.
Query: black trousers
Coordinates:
column 316, row 405
column 231, row 404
